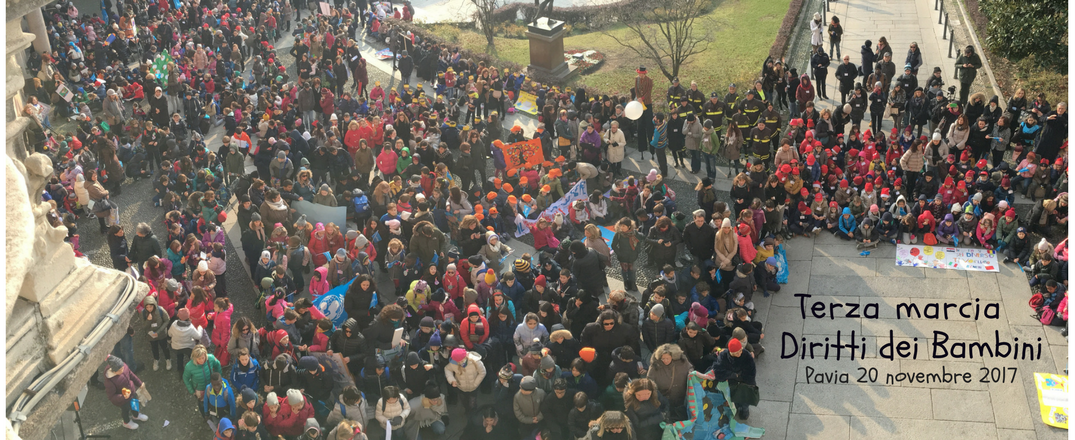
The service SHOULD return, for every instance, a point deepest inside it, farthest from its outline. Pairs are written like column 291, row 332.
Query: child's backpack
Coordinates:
column 1047, row 316
column 361, row 205
column 929, row 239
column 1036, row 301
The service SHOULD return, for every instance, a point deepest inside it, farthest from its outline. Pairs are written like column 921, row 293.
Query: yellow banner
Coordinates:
column 527, row 103
column 1053, row 397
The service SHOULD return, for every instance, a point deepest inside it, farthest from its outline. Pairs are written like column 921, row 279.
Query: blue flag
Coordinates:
column 331, row 304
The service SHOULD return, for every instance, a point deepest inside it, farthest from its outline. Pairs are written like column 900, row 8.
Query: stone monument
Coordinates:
column 64, row 314
column 547, row 46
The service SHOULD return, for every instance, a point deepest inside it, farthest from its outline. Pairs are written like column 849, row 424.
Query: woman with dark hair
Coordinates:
column 379, row 333
column 117, row 247
column 361, row 301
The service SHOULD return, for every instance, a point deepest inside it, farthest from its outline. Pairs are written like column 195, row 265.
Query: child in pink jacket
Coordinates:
column 222, row 310
column 319, row 283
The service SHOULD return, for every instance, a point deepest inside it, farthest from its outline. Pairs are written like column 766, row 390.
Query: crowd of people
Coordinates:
column 522, row 344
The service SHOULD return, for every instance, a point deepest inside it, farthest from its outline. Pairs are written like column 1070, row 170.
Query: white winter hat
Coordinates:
column 271, row 399
column 203, row 266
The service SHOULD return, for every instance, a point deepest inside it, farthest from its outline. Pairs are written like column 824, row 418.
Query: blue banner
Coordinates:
column 781, row 265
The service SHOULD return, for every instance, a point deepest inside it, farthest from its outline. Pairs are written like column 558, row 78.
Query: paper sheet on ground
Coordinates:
column 945, row 257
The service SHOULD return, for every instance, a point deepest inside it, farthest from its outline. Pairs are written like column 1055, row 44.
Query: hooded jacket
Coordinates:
column 847, row 224
column 474, row 333
column 671, row 379
column 944, row 229
column 155, row 321
column 524, row 337
column 224, row 425
column 342, row 411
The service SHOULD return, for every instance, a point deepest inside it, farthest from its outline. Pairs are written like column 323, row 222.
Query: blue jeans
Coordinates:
column 438, row 427
column 124, row 349
column 710, row 165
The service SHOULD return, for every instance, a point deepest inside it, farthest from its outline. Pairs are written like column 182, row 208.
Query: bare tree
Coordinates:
column 483, row 15
column 668, row 33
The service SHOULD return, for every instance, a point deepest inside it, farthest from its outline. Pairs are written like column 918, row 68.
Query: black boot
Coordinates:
column 744, row 412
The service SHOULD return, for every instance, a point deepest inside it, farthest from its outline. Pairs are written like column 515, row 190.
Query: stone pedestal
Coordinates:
column 547, row 47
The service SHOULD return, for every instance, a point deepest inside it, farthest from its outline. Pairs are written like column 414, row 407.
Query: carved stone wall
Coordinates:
column 53, row 300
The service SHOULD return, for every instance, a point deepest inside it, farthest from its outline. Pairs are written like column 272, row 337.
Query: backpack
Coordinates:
column 362, row 205
column 1047, row 316
column 1036, row 301
column 929, row 239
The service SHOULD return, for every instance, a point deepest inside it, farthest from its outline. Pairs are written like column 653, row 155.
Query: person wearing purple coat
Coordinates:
column 947, row 231
column 213, row 234
column 121, row 386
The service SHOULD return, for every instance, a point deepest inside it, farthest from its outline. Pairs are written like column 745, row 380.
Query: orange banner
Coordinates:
column 526, row 153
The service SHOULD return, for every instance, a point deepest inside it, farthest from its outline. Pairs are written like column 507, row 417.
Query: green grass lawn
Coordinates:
column 745, row 31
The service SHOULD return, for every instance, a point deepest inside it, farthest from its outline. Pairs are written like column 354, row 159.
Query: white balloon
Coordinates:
column 633, row 110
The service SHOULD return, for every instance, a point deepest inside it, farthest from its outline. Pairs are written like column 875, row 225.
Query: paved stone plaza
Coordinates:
column 832, row 270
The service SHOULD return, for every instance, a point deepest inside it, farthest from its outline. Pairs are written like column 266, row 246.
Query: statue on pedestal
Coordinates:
column 544, row 9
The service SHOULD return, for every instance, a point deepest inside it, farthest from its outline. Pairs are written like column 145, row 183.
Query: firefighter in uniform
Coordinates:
column 675, row 94
column 772, row 120
column 751, row 107
column 696, row 98
column 759, row 139
column 731, row 100
column 714, row 110
column 685, row 108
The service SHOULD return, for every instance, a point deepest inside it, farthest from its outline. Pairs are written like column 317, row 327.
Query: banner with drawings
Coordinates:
column 577, row 192
column 945, row 257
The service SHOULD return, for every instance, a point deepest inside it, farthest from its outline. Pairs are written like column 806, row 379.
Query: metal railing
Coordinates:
column 942, row 19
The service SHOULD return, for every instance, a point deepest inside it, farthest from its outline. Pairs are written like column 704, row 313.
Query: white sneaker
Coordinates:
column 167, row 364
column 156, row 365
column 142, row 417
column 130, row 425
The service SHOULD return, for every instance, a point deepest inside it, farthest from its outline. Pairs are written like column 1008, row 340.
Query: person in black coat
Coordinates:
column 819, row 63
column 555, row 408
column 739, row 370
column 413, row 375
column 315, row 381
column 350, row 344
column 379, row 334
column 587, row 262
column 868, row 58
column 604, row 335
column 359, row 301
column 846, row 73
column 406, row 66
column 699, row 237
